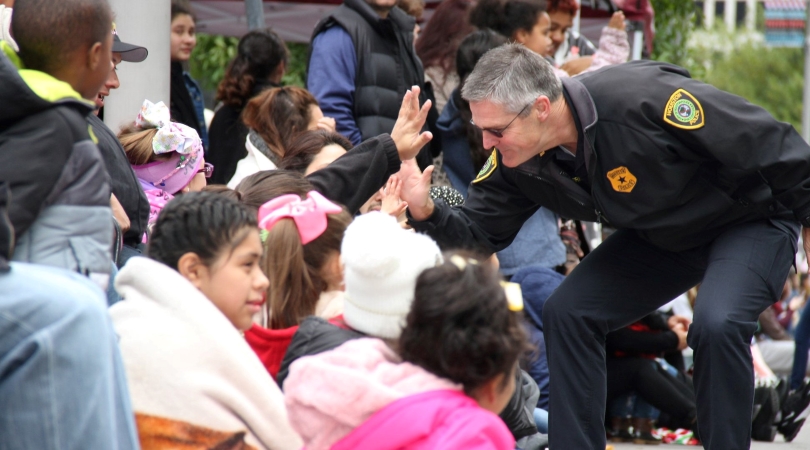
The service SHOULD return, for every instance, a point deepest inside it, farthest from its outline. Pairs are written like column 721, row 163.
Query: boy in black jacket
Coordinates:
column 60, row 195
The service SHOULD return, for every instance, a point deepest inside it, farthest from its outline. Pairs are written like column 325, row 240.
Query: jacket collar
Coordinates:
column 580, row 99
column 396, row 15
column 582, row 102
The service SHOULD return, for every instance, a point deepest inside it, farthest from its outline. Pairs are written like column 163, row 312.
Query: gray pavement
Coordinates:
column 802, row 442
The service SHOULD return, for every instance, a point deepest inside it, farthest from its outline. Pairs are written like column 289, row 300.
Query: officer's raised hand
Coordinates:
column 407, row 133
column 416, row 189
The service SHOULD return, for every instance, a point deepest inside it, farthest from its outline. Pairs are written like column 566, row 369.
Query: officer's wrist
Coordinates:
column 422, row 213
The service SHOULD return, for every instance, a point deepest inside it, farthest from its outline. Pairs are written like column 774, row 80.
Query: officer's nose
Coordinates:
column 489, row 140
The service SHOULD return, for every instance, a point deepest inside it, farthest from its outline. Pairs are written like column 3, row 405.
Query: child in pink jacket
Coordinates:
column 453, row 372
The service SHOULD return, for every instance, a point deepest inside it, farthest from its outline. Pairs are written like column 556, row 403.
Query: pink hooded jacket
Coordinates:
column 361, row 396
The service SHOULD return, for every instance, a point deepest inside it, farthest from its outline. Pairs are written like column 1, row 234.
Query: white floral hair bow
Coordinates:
column 171, row 136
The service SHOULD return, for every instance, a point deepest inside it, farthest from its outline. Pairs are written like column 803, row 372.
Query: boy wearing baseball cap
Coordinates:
column 129, row 204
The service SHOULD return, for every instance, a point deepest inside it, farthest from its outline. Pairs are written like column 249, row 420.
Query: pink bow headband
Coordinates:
column 309, row 215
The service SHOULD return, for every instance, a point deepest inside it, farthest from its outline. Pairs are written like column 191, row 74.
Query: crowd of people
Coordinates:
column 304, row 270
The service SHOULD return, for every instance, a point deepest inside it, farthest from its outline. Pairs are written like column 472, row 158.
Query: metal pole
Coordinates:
column 730, row 14
column 806, row 96
column 255, row 14
column 146, row 23
column 751, row 14
column 708, row 14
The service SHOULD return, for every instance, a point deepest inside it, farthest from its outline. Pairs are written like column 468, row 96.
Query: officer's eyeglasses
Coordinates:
column 499, row 133
column 207, row 169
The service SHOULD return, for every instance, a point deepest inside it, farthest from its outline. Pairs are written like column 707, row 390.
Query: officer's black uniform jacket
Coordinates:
column 679, row 188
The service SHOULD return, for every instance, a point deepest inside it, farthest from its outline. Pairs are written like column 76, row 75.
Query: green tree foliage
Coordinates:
column 213, row 54
column 210, row 59
column 296, row 69
column 769, row 77
column 674, row 22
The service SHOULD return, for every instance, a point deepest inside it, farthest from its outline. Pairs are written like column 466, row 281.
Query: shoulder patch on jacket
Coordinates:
column 489, row 167
column 684, row 111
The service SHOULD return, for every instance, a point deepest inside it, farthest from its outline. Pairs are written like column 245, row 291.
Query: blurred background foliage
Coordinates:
column 737, row 62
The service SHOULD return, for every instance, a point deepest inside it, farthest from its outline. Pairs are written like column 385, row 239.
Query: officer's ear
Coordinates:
column 542, row 108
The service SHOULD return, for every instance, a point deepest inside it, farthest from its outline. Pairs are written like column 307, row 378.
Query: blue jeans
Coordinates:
column 63, row 383
column 541, row 420
column 801, row 335
column 631, row 405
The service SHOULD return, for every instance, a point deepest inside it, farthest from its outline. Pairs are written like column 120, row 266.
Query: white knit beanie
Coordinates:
column 382, row 262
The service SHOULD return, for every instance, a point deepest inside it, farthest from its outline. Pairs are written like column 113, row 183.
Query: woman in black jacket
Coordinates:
column 259, row 64
column 186, row 99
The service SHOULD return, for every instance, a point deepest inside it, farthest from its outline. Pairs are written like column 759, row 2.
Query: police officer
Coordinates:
column 702, row 186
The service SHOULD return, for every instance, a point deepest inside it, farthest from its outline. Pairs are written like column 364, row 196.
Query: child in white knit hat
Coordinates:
column 381, row 262
column 439, row 386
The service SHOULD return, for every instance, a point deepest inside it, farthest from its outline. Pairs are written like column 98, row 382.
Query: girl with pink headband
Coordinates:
column 301, row 240
column 167, row 157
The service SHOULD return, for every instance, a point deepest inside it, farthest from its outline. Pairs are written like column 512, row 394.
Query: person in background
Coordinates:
column 361, row 66
column 527, row 22
column 260, row 62
column 568, row 45
column 186, row 103
column 274, row 118
column 437, row 46
column 314, row 150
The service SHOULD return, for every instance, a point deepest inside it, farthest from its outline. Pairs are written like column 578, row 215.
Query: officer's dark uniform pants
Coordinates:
column 741, row 273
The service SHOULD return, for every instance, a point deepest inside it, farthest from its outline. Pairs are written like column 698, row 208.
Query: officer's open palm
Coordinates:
column 407, row 133
column 415, row 190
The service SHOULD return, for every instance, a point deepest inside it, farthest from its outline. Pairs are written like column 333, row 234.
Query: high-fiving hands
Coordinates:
column 407, row 133
column 416, row 189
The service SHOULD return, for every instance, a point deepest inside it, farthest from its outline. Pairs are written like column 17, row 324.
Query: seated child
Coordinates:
column 167, row 156
column 301, row 238
column 193, row 379
column 381, row 262
column 60, row 195
column 454, row 372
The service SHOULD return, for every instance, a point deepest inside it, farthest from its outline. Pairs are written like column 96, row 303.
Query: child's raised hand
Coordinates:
column 617, row 21
column 392, row 204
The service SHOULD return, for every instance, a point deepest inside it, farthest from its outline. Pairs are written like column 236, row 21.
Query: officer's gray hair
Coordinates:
column 511, row 76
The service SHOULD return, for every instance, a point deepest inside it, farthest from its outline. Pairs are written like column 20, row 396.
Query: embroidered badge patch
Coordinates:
column 489, row 167
column 622, row 180
column 683, row 110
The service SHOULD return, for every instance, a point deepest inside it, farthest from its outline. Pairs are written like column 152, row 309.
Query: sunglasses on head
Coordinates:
column 499, row 133
column 207, row 169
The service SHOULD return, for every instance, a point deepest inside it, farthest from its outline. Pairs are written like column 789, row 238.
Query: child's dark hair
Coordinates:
column 205, row 223
column 306, row 147
column 507, row 16
column 49, row 32
column 460, row 326
column 182, row 7
column 257, row 189
column 259, row 54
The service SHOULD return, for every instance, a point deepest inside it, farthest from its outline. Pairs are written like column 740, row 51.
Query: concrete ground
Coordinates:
column 802, row 442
